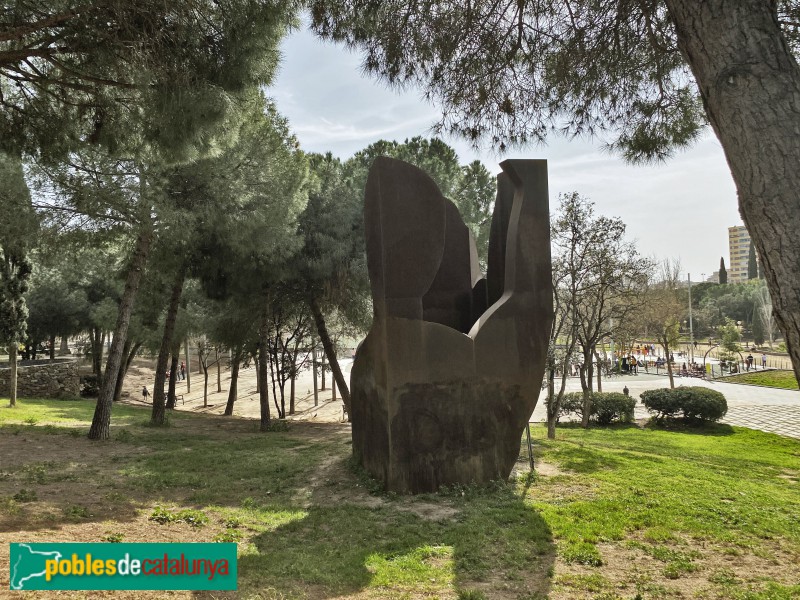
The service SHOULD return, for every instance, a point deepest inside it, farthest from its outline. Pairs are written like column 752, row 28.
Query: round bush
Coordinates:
column 702, row 404
column 612, row 406
column 692, row 403
column 663, row 402
column 571, row 404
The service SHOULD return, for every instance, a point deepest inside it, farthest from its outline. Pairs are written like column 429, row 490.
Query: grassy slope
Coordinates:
column 623, row 511
column 776, row 379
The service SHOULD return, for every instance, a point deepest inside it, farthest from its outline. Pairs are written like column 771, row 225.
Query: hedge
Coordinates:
column 692, row 403
column 606, row 407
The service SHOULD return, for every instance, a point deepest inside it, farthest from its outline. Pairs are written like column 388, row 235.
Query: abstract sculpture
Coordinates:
column 450, row 372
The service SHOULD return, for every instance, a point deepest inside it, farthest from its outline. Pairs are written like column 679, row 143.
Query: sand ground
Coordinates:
column 190, row 392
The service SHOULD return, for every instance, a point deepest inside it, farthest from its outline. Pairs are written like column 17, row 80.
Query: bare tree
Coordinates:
column 614, row 284
column 204, row 350
column 664, row 310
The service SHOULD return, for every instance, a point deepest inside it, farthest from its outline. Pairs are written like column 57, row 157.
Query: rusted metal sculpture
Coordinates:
column 450, row 372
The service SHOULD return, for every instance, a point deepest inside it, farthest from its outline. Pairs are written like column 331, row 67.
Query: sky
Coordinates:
column 678, row 209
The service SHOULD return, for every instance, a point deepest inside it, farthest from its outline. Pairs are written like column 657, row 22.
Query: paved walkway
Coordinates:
column 766, row 409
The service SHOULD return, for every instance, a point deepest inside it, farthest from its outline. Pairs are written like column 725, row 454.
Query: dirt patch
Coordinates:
column 137, row 530
column 628, row 570
column 427, row 510
column 548, row 469
column 33, row 447
column 498, row 585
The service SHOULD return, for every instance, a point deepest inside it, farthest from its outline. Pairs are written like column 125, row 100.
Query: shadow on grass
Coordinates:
column 312, row 528
column 53, row 476
column 491, row 542
column 691, row 427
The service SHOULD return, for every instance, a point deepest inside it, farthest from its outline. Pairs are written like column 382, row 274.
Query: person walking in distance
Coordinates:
column 145, row 393
column 763, row 360
column 183, row 371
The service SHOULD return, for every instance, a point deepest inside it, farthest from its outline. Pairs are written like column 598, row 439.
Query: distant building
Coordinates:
column 713, row 278
column 739, row 248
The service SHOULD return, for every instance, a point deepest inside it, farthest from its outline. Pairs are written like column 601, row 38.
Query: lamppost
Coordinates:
column 691, row 329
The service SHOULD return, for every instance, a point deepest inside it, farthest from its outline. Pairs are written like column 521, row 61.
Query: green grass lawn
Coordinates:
column 64, row 412
column 614, row 513
column 776, row 379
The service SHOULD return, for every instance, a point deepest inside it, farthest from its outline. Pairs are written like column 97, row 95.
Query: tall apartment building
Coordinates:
column 739, row 249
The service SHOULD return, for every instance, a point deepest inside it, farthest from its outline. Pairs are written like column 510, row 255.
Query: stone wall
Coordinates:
column 59, row 379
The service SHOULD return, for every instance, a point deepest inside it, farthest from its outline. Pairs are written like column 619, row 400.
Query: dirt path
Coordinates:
column 142, row 373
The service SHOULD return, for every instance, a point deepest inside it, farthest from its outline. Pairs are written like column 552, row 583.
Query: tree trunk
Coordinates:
column 12, row 379
column 263, row 350
column 314, row 372
column 159, row 404
column 599, row 373
column 555, row 402
column 282, row 413
column 322, row 372
column 552, row 412
column 101, row 422
column 587, row 396
column 97, row 352
column 272, row 360
column 750, row 84
column 188, row 367
column 174, row 365
column 52, row 347
column 669, row 365
column 123, row 368
column 64, row 349
column 294, row 372
column 219, row 371
column 291, row 392
column 330, row 352
column 205, row 383
column 233, row 389
column 590, row 371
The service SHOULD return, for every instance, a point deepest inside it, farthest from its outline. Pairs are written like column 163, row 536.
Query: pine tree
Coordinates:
column 650, row 74
column 17, row 232
column 752, row 265
column 248, row 200
column 124, row 75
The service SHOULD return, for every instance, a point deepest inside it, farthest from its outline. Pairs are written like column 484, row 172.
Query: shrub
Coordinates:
column 25, row 496
column 90, row 386
column 162, row 515
column 195, row 518
column 606, row 407
column 692, row 403
column 612, row 406
column 571, row 403
column 663, row 402
column 702, row 404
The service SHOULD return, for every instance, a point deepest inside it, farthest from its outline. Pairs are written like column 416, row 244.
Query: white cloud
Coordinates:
column 680, row 208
